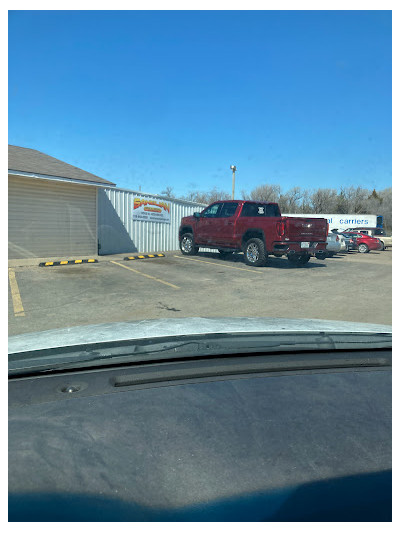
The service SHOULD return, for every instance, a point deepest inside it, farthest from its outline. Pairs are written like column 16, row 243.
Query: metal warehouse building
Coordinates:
column 119, row 232
column 52, row 206
column 58, row 210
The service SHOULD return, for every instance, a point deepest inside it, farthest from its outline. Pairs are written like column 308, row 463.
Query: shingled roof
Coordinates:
column 35, row 162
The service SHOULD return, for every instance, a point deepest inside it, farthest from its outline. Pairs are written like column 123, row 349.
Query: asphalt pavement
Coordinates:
column 354, row 287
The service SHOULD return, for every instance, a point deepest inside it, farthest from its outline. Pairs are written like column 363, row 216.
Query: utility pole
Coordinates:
column 233, row 168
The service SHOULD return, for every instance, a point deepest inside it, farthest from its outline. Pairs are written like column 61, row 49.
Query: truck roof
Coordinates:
column 244, row 202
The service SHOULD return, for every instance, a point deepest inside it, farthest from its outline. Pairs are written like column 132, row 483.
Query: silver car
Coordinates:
column 334, row 244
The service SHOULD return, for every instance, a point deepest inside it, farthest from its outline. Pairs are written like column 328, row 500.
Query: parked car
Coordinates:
column 378, row 233
column 351, row 243
column 333, row 245
column 365, row 243
column 343, row 244
column 255, row 228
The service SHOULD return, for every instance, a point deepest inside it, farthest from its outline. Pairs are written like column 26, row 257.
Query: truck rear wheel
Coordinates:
column 187, row 245
column 254, row 252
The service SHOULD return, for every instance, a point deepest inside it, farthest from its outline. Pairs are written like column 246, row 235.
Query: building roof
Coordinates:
column 35, row 162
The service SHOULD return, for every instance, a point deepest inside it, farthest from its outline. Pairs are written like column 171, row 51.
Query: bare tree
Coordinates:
column 168, row 192
column 266, row 193
column 289, row 202
column 215, row 195
column 353, row 199
column 305, row 206
column 196, row 196
column 323, row 201
column 303, row 201
column 384, row 207
column 208, row 197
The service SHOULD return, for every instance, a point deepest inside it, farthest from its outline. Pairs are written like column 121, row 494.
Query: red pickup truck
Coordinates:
column 255, row 228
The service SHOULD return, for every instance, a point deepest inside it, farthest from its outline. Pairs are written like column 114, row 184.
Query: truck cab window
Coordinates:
column 271, row 210
column 260, row 210
column 228, row 210
column 212, row 211
column 251, row 210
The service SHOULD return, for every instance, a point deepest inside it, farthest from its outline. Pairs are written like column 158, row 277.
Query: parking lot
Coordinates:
column 354, row 287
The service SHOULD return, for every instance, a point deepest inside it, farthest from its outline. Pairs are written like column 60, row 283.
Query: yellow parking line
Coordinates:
column 16, row 297
column 146, row 275
column 255, row 271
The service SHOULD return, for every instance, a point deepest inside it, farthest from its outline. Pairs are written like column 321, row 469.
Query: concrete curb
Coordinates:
column 35, row 261
column 147, row 256
column 61, row 263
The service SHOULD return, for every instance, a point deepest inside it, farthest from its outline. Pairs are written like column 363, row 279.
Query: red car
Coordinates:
column 364, row 243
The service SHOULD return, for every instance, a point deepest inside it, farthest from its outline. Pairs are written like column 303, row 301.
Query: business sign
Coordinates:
column 151, row 210
column 343, row 222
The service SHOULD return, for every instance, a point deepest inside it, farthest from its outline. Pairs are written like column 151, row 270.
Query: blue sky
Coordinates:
column 173, row 98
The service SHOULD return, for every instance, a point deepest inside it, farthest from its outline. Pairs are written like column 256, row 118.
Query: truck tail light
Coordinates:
column 280, row 228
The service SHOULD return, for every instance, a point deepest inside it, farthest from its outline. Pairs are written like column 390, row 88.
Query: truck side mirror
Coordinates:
column 196, row 215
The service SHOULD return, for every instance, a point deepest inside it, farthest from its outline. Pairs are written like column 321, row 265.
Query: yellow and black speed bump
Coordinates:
column 74, row 262
column 148, row 256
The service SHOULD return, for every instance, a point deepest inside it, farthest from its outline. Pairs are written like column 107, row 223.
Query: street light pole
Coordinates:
column 233, row 168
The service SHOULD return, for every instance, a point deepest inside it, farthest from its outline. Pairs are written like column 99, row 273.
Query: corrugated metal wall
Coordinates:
column 119, row 233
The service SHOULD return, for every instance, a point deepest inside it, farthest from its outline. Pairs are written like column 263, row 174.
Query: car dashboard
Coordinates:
column 221, row 439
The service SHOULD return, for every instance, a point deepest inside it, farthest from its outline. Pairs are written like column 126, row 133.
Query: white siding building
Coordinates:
column 52, row 206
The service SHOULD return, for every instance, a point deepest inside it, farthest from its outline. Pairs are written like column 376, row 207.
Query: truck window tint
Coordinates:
column 212, row 211
column 271, row 210
column 259, row 210
column 251, row 210
column 228, row 210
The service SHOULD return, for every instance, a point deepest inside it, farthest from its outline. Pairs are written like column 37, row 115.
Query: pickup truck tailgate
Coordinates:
column 305, row 229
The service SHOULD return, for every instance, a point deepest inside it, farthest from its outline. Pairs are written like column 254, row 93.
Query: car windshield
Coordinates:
column 172, row 164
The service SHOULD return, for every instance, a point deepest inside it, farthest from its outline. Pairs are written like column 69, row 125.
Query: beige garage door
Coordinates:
column 50, row 219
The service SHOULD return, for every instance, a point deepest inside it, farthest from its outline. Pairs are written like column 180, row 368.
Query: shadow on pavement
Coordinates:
column 273, row 262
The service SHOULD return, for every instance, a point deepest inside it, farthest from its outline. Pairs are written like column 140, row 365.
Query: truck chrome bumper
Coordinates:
column 313, row 248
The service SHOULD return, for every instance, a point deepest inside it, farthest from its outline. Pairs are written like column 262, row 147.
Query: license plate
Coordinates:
column 305, row 245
